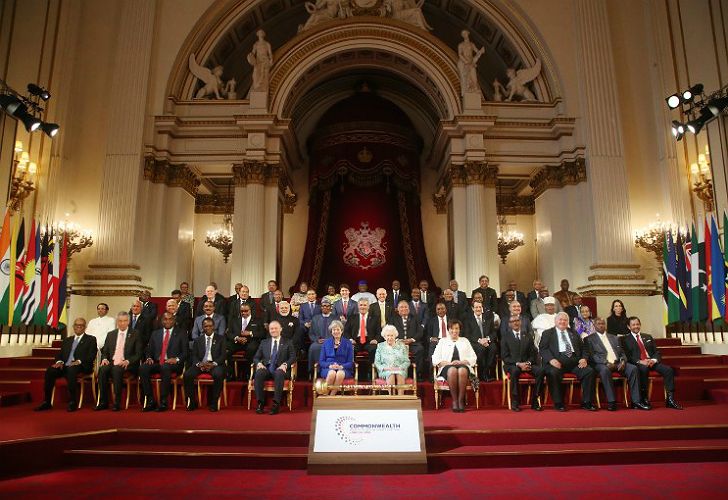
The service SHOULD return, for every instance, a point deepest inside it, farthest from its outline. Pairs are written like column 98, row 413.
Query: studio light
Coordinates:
column 717, row 105
column 678, row 129
column 51, row 129
column 39, row 91
column 673, row 101
column 10, row 103
column 690, row 93
column 694, row 126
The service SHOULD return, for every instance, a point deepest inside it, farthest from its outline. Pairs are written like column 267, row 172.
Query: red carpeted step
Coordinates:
column 11, row 398
column 672, row 341
column 20, row 373
column 680, row 350
column 31, row 362
column 57, row 344
column 719, row 395
column 46, row 351
column 707, row 371
column 692, row 360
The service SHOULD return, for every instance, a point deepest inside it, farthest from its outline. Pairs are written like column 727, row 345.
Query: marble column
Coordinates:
column 248, row 241
column 481, row 241
column 457, row 219
column 115, row 271
column 271, row 224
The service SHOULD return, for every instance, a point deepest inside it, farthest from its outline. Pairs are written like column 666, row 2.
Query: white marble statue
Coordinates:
column 211, row 78
column 261, row 59
column 322, row 11
column 409, row 11
column 498, row 90
column 230, row 87
column 517, row 81
column 468, row 55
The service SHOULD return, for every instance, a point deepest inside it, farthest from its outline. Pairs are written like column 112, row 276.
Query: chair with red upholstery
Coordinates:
column 441, row 385
column 525, row 378
column 206, row 379
column 127, row 380
column 82, row 379
column 616, row 377
column 411, row 382
column 270, row 387
column 569, row 378
column 347, row 381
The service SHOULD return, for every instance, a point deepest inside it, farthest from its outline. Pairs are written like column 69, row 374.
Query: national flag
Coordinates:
column 53, row 263
column 62, row 282
column 681, row 276
column 41, row 314
column 673, row 295
column 708, row 271
column 725, row 259
column 697, row 277
column 717, row 270
column 14, row 247
column 29, row 296
column 665, row 287
column 20, row 256
column 5, row 270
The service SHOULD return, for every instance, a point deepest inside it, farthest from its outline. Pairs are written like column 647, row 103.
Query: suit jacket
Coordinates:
column 319, row 327
column 219, row 325
column 289, row 324
column 414, row 328
column 351, row 329
column 573, row 312
column 254, row 326
column 422, row 314
column 549, row 346
column 518, row 351
column 632, row 349
column 133, row 347
column 233, row 305
column 598, row 353
column 520, row 297
column 531, row 296
column 376, row 310
column 286, row 353
column 217, row 349
column 455, row 310
column 185, row 310
column 305, row 314
column 401, row 295
column 85, row 351
column 352, row 308
column 149, row 309
column 181, row 321
column 538, row 307
column 144, row 324
column 220, row 305
column 490, row 298
column 176, row 348
column 472, row 332
column 462, row 298
column 433, row 327
column 267, row 302
column 344, row 356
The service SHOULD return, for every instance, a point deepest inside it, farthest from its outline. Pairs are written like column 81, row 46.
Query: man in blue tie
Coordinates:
column 77, row 356
column 273, row 360
column 562, row 351
column 207, row 356
column 319, row 332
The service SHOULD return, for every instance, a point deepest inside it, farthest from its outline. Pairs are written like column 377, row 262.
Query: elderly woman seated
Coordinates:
column 392, row 358
column 583, row 323
column 337, row 358
column 454, row 358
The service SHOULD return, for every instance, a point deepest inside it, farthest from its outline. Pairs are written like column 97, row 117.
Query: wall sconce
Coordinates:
column 702, row 185
column 77, row 238
column 652, row 238
column 24, row 172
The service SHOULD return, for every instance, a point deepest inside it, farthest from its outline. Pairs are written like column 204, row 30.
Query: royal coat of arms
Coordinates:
column 364, row 248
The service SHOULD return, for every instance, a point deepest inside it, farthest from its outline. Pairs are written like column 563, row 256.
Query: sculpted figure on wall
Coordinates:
column 468, row 56
column 322, row 11
column 517, row 80
column 211, row 78
column 409, row 11
column 261, row 59
column 230, row 87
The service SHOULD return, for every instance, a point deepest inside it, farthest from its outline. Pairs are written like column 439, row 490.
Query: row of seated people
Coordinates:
column 561, row 350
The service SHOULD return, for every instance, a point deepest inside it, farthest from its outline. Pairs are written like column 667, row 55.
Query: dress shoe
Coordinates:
column 515, row 408
column 560, row 407
column 44, row 406
column 72, row 407
column 148, row 408
column 611, row 406
column 647, row 404
column 213, row 408
column 536, row 407
column 275, row 409
column 461, row 410
column 192, row 407
column 589, row 406
column 101, row 406
column 259, row 408
column 161, row 408
column 671, row 403
column 116, row 408
column 638, row 405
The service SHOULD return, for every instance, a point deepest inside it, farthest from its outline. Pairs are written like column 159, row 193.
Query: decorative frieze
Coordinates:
column 512, row 204
column 567, row 174
column 161, row 172
column 214, row 203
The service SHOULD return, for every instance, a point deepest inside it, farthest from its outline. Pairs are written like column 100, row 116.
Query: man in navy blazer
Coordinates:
column 419, row 309
column 207, row 356
column 411, row 333
column 274, row 360
column 308, row 310
column 166, row 354
column 77, row 356
column 367, row 339
column 319, row 332
column 344, row 308
column 209, row 312
column 244, row 333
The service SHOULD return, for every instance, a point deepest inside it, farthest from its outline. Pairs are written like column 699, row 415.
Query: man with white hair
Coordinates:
column 545, row 320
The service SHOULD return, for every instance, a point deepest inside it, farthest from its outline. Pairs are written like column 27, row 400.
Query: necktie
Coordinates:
column 567, row 344
column 404, row 326
column 417, row 307
column 119, row 351
column 165, row 343
column 643, row 351
column 71, row 357
column 134, row 320
column 362, row 331
column 395, row 298
column 382, row 318
column 480, row 325
column 245, row 323
column 273, row 357
column 518, row 336
column 611, row 357
column 326, row 327
column 443, row 328
column 310, row 305
column 455, row 297
column 345, row 304
column 208, row 350
column 277, row 310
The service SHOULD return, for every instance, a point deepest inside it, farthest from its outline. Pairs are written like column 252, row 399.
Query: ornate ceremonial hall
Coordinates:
column 209, row 146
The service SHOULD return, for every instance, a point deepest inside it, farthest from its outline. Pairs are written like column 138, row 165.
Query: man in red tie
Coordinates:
column 344, row 308
column 436, row 329
column 166, row 355
column 642, row 352
column 363, row 330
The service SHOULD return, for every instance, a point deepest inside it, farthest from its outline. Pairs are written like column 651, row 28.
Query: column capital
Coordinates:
column 569, row 173
column 159, row 171
column 249, row 172
column 479, row 172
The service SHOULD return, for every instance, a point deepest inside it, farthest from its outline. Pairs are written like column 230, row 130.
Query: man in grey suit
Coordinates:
column 209, row 312
column 607, row 356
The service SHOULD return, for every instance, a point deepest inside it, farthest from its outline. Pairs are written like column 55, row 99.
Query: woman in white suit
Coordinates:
column 455, row 359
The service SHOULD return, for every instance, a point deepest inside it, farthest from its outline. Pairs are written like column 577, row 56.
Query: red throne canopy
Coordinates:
column 364, row 209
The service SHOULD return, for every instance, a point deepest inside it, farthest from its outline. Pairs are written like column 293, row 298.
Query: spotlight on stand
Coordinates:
column 673, row 101
column 50, row 129
column 27, row 109
column 717, row 105
column 678, row 129
column 36, row 90
column 689, row 94
column 9, row 103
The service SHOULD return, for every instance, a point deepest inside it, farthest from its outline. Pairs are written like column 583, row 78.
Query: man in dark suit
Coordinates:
column 382, row 309
column 166, row 354
column 606, row 356
column 345, row 308
column 143, row 323
column 363, row 330
column 562, row 351
column 308, row 310
column 535, row 293
column 396, row 294
column 241, row 298
column 121, row 352
column 268, row 300
column 436, row 329
column 290, row 326
column 519, row 355
column 207, row 356
column 454, row 310
column 76, row 357
column 183, row 308
column 504, row 304
column 411, row 333
column 458, row 295
column 272, row 309
column 244, row 333
column 273, row 360
column 149, row 308
column 483, row 336
column 419, row 309
column 319, row 332
column 490, row 296
column 573, row 309
column 643, row 353
column 208, row 311
column 520, row 296
column 181, row 321
column 514, row 309
column 211, row 294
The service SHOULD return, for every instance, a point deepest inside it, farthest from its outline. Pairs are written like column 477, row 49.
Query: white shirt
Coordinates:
column 562, row 344
column 541, row 323
column 100, row 327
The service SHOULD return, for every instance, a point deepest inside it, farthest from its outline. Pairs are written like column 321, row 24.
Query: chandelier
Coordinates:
column 222, row 239
column 652, row 238
column 23, row 177
column 507, row 240
column 77, row 238
column 703, row 186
